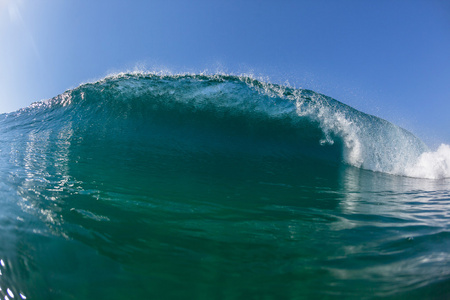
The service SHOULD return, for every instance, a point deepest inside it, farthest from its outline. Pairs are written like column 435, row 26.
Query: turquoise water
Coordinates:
column 217, row 187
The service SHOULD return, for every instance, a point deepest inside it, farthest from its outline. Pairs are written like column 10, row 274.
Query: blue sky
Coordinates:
column 387, row 58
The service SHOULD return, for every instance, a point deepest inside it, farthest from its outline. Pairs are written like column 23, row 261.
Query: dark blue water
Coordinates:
column 217, row 187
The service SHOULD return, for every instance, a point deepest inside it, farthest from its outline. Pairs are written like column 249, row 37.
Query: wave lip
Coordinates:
column 220, row 110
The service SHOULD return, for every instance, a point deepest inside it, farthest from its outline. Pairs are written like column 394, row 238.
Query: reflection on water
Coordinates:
column 42, row 173
column 8, row 291
column 403, row 230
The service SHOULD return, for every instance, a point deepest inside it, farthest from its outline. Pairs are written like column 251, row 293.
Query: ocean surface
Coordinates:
column 144, row 186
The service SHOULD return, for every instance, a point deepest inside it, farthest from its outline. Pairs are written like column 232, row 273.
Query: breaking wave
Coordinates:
column 223, row 114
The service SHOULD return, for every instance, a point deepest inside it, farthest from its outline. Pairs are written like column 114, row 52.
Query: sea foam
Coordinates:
column 433, row 165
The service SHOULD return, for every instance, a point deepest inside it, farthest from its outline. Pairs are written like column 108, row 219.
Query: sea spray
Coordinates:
column 434, row 165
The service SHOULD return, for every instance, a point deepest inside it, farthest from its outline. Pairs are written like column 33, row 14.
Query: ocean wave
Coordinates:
column 228, row 114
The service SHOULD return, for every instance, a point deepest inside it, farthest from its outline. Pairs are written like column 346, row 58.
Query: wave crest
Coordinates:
column 236, row 110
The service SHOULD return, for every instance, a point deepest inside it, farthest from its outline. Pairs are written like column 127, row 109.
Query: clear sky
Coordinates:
column 387, row 58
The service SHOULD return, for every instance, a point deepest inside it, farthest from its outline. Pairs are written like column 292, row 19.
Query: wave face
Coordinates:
column 141, row 186
column 225, row 114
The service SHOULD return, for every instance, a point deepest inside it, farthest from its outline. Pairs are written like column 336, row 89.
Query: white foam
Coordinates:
column 433, row 165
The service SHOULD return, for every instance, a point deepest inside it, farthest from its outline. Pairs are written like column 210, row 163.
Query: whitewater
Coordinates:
column 143, row 185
